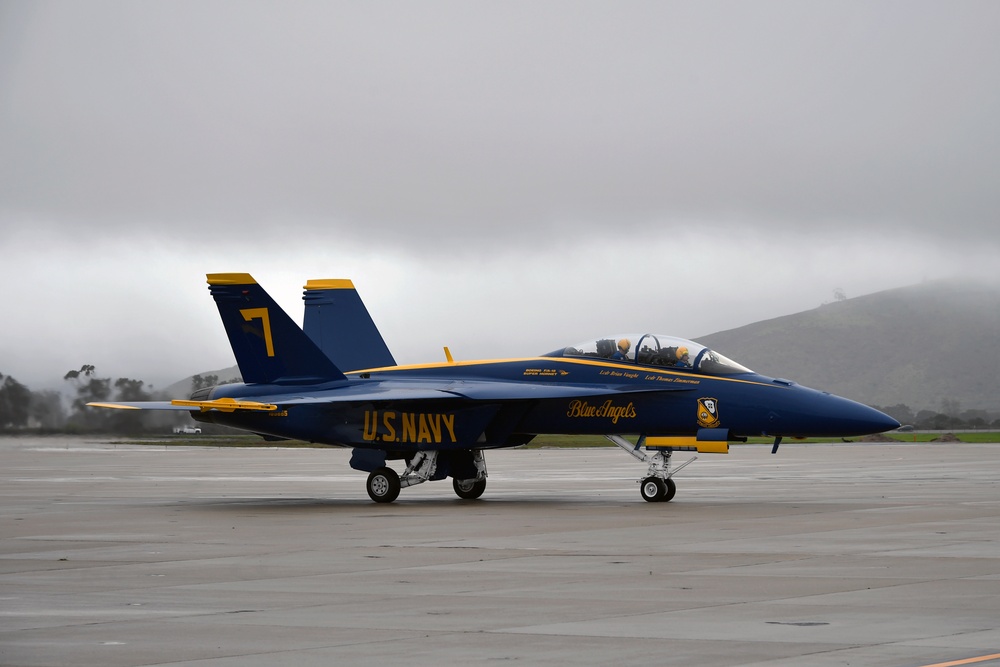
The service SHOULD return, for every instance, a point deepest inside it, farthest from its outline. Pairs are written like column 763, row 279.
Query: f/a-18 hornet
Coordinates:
column 336, row 383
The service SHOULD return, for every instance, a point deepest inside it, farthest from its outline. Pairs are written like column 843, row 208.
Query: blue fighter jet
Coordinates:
column 337, row 384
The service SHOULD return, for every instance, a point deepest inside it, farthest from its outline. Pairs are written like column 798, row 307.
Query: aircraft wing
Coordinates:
column 470, row 389
column 396, row 392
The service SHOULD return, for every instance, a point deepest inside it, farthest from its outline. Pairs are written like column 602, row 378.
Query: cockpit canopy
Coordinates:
column 655, row 350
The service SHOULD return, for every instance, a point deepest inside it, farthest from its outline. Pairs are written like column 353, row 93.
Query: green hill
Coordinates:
column 918, row 345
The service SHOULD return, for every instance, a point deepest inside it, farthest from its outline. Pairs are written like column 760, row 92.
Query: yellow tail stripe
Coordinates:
column 329, row 283
column 230, row 279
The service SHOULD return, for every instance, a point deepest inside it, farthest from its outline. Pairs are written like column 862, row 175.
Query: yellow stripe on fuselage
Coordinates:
column 329, row 283
column 562, row 360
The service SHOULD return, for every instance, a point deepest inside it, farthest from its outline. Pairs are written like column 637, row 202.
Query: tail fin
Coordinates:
column 338, row 322
column 269, row 346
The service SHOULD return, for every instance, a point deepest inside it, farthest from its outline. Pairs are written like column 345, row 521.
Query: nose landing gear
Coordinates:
column 658, row 486
column 657, row 490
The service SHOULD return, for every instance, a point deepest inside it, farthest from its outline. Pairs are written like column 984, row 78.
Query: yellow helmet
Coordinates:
column 682, row 352
column 624, row 344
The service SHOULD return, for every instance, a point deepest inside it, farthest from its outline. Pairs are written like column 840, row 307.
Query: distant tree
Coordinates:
column 47, row 410
column 15, row 403
column 86, row 370
column 900, row 412
column 839, row 294
column 203, row 382
column 129, row 421
column 211, row 380
column 925, row 419
column 94, row 390
column 130, row 390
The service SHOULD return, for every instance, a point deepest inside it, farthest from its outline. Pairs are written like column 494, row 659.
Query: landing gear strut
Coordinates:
column 658, row 486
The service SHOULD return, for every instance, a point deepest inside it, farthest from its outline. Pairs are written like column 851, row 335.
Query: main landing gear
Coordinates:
column 658, row 486
column 384, row 483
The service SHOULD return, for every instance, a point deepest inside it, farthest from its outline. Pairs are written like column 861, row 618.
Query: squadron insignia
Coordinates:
column 708, row 412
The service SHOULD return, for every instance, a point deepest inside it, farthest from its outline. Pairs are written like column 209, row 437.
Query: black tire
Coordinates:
column 383, row 485
column 671, row 490
column 468, row 489
column 652, row 489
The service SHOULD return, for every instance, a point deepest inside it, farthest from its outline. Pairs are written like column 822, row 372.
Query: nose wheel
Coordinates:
column 658, row 485
column 657, row 489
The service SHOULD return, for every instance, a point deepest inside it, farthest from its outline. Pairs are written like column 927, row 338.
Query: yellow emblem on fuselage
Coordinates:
column 708, row 412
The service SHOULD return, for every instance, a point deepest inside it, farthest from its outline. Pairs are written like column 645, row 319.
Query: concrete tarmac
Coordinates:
column 820, row 555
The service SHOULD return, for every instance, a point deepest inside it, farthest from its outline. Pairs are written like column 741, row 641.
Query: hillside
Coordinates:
column 915, row 345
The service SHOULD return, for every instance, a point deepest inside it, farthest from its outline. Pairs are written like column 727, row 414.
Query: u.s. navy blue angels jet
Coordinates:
column 337, row 384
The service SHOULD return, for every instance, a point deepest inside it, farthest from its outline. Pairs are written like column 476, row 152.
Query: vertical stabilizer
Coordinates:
column 339, row 324
column 269, row 347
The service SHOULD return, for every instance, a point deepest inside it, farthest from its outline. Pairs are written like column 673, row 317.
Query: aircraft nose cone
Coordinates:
column 857, row 419
column 885, row 422
column 813, row 413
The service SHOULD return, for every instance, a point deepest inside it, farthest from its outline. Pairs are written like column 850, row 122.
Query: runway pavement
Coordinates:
column 821, row 555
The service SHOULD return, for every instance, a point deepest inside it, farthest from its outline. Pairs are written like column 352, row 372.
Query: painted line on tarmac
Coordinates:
column 967, row 661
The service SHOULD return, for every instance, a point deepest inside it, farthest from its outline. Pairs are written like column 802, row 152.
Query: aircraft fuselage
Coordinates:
column 614, row 398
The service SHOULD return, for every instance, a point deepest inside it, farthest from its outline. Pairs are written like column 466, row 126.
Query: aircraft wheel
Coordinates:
column 383, row 485
column 469, row 489
column 670, row 490
column 653, row 489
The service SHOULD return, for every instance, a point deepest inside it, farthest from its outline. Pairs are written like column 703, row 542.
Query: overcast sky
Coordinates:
column 503, row 178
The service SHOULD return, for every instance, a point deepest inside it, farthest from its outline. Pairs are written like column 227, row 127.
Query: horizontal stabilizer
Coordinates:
column 220, row 404
column 138, row 405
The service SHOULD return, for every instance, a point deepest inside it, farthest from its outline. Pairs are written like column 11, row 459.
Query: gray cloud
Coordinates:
column 455, row 117
column 534, row 158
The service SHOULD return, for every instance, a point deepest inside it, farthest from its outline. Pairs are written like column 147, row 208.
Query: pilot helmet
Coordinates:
column 682, row 352
column 624, row 344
